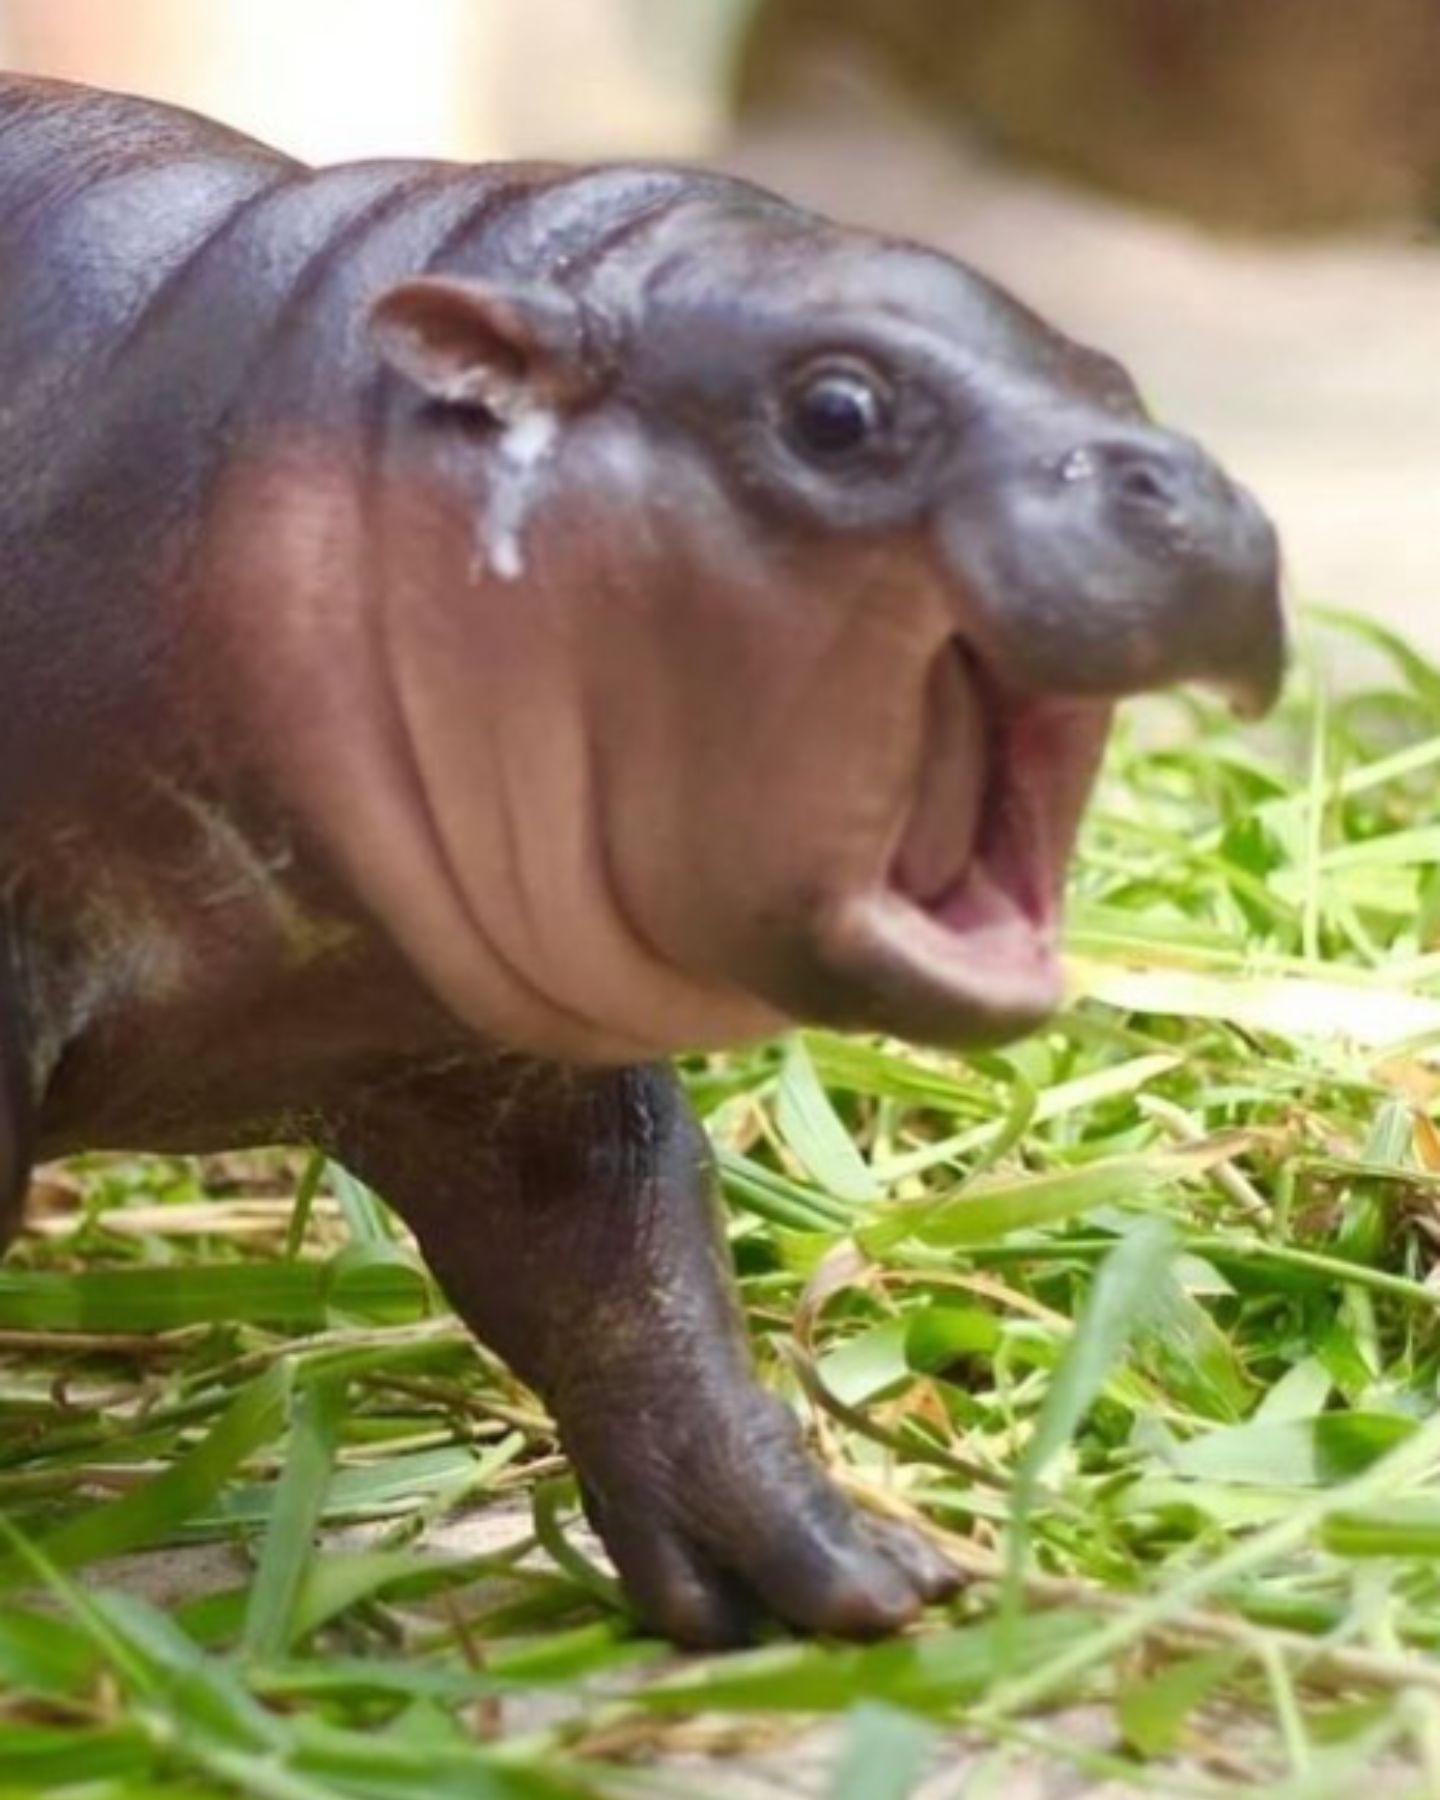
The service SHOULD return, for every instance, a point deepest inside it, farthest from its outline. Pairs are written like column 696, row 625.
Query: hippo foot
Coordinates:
column 715, row 1526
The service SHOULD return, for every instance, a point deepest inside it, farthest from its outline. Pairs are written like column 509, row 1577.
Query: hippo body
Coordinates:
column 471, row 633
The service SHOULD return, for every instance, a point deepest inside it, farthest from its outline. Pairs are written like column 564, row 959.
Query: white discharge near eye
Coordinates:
column 526, row 444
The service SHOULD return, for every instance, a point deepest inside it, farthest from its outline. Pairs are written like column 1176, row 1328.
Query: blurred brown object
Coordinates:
column 1251, row 114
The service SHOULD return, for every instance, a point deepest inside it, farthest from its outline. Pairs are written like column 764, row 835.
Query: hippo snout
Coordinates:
column 1126, row 560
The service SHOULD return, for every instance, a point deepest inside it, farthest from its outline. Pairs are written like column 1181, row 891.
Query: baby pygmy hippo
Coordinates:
column 469, row 633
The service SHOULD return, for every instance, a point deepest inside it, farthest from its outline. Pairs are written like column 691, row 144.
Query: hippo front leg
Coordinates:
column 573, row 1221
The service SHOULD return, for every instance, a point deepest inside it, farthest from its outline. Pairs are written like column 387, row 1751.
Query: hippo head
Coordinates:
column 768, row 587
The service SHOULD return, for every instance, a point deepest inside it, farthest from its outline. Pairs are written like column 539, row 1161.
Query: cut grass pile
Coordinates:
column 1142, row 1314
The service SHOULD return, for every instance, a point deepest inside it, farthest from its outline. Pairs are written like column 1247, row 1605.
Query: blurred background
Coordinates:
column 1241, row 198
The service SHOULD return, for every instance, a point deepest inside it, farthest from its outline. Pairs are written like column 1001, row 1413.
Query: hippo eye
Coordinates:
column 836, row 411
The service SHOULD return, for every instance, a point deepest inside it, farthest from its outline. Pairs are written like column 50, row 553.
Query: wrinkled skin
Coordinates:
column 473, row 633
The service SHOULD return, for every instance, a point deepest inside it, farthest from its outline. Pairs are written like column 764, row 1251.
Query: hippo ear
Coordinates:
column 502, row 349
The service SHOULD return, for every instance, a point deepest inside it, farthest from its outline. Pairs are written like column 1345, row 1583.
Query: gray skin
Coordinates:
column 471, row 633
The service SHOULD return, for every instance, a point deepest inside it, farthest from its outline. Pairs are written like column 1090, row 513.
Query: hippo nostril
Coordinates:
column 1143, row 476
column 1142, row 484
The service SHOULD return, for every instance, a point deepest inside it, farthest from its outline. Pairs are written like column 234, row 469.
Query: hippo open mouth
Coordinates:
column 983, row 855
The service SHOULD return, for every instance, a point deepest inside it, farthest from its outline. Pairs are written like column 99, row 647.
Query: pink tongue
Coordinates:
column 940, row 836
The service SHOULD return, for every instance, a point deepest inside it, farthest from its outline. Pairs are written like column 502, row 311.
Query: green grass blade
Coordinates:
column 884, row 1756
column 299, row 1507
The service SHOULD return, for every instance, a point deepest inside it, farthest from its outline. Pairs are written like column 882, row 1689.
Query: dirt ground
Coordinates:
column 1313, row 368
